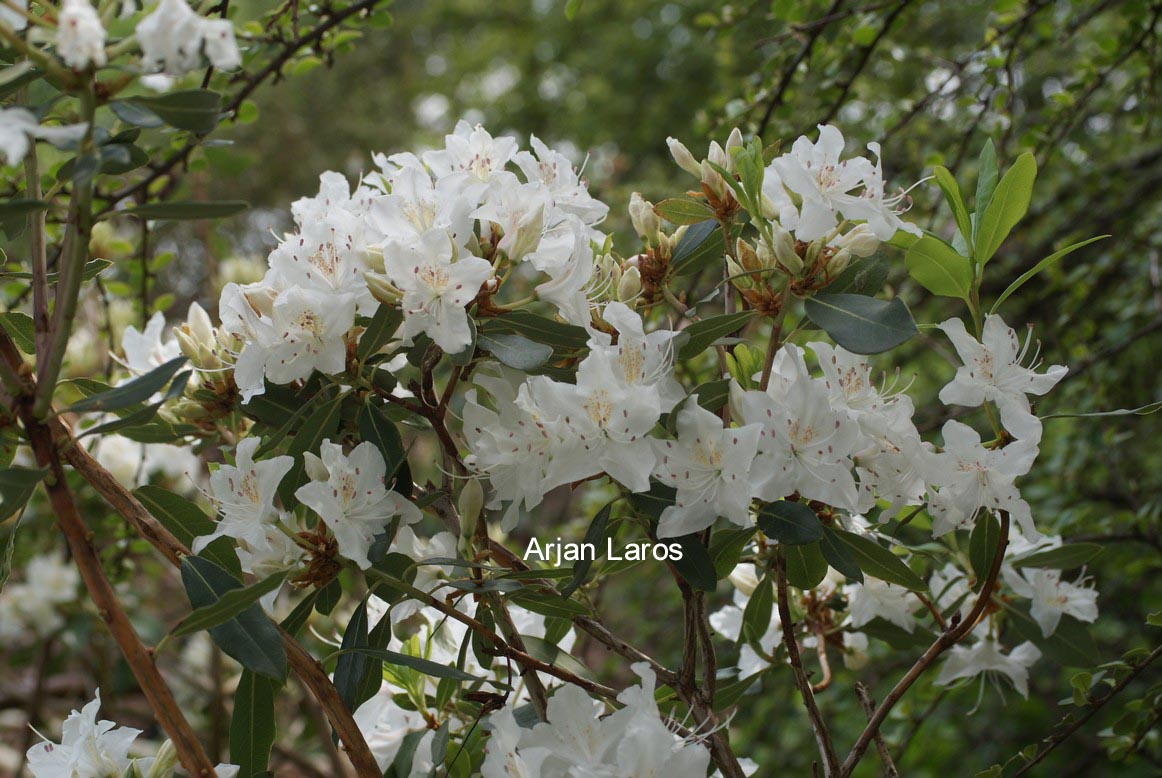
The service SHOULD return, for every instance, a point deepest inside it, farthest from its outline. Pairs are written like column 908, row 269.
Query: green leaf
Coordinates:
column 137, row 115
column 352, row 664
column 790, row 523
column 252, row 724
column 138, row 390
column 982, row 546
column 679, row 210
column 20, row 328
column 700, row 244
column 550, row 605
column 896, row 636
column 1008, row 205
column 375, row 426
column 186, row 521
column 863, row 276
column 879, row 562
column 955, row 200
column 703, row 333
column 17, row 485
column 863, row 325
column 806, row 565
column 301, row 614
column 143, row 416
column 555, row 655
column 653, row 502
column 726, row 547
column 516, row 351
column 756, row 617
column 840, row 555
column 986, row 178
column 695, row 565
column 250, row 637
column 568, row 337
column 1042, row 265
column 188, row 209
column 196, row 110
column 425, row 666
column 938, row 268
column 712, row 395
column 378, row 331
column 595, row 535
column 228, row 605
column 1061, row 558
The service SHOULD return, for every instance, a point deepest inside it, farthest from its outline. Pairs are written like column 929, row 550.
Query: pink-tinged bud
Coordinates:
column 683, row 157
column 713, row 180
column 747, row 257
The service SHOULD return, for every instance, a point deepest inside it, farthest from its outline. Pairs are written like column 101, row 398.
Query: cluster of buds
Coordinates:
column 211, row 393
column 719, row 196
column 643, row 274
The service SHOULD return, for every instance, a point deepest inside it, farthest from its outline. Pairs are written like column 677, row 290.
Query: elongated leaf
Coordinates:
column 705, row 332
column 196, row 110
column 352, row 664
column 695, row 565
column 144, row 415
column 986, row 178
column 806, row 565
column 955, row 201
column 17, row 485
column 1008, row 205
column 864, row 325
column 1042, row 265
column 555, row 655
column 840, row 555
column 378, row 331
column 726, row 547
column 567, row 337
column 653, row 502
column 701, row 244
column 301, row 614
column 20, row 328
column 756, row 617
column 1061, row 558
column 425, row 666
column 375, row 426
column 186, row 521
column 549, row 605
column 595, row 535
column 982, row 545
column 863, row 276
column 135, row 114
column 319, row 426
column 252, row 724
column 790, row 523
column 250, row 637
column 679, row 210
column 188, row 209
column 879, row 562
column 938, row 268
column 228, row 605
column 138, row 390
column 516, row 351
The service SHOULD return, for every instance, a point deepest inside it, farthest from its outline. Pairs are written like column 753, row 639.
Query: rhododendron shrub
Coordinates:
column 359, row 444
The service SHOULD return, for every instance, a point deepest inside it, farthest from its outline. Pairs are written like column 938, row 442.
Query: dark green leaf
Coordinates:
column 378, row 331
column 726, row 547
column 866, row 277
column 352, row 664
column 756, row 617
column 252, row 724
column 790, row 523
column 653, row 502
column 982, row 546
column 566, row 337
column 186, row 521
column 695, row 565
column 879, row 562
column 137, row 115
column 196, row 110
column 864, row 325
column 425, row 666
column 806, row 565
column 319, row 426
column 839, row 555
column 250, row 638
column 1061, row 558
column 516, row 351
column 374, row 426
column 703, row 333
column 596, row 536
column 20, row 328
column 16, row 487
column 228, row 605
column 701, row 244
column 135, row 391
column 1070, row 644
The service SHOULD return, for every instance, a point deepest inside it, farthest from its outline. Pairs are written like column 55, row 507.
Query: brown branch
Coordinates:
column 942, row 643
column 822, row 734
column 868, row 705
column 789, row 72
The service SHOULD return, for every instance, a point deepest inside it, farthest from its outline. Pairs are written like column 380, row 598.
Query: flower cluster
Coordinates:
column 32, row 608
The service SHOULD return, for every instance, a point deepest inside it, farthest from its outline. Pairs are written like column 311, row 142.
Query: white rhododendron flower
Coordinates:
column 966, row 477
column 1051, row 597
column 709, row 465
column 88, row 747
column 19, row 128
column 727, row 621
column 992, row 372
column 350, row 495
column 985, row 657
column 153, row 347
column 173, row 39
column 878, row 599
column 244, row 494
column 32, row 608
column 80, row 37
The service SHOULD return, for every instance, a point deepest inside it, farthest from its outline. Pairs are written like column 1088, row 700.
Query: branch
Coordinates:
column 868, row 705
column 945, row 641
column 789, row 72
column 822, row 734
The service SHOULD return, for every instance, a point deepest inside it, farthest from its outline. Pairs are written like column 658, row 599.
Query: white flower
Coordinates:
column 875, row 598
column 351, row 497
column 149, row 349
column 566, row 255
column 244, row 493
column 18, row 126
column 727, row 621
column 12, row 17
column 1051, row 597
column 644, row 361
column 710, row 467
column 418, row 205
column 472, row 152
column 519, row 210
column 89, row 748
column 985, row 657
column 969, row 477
column 554, row 170
column 993, row 371
column 437, row 286
column 80, row 38
column 949, row 587
column 385, row 724
column 172, row 39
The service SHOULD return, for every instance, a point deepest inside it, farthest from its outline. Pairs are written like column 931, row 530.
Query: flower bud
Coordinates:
column 719, row 157
column 381, row 289
column 839, row 262
column 630, row 285
column 738, row 275
column 713, row 180
column 683, row 157
column 747, row 257
column 860, row 241
column 744, row 579
column 784, row 248
column 734, row 141
column 165, row 761
column 645, row 222
column 469, row 505
column 526, row 236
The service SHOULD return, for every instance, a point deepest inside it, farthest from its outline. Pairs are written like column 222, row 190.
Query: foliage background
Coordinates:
column 1076, row 82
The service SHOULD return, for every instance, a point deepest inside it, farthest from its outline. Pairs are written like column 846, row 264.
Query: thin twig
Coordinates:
column 868, row 705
